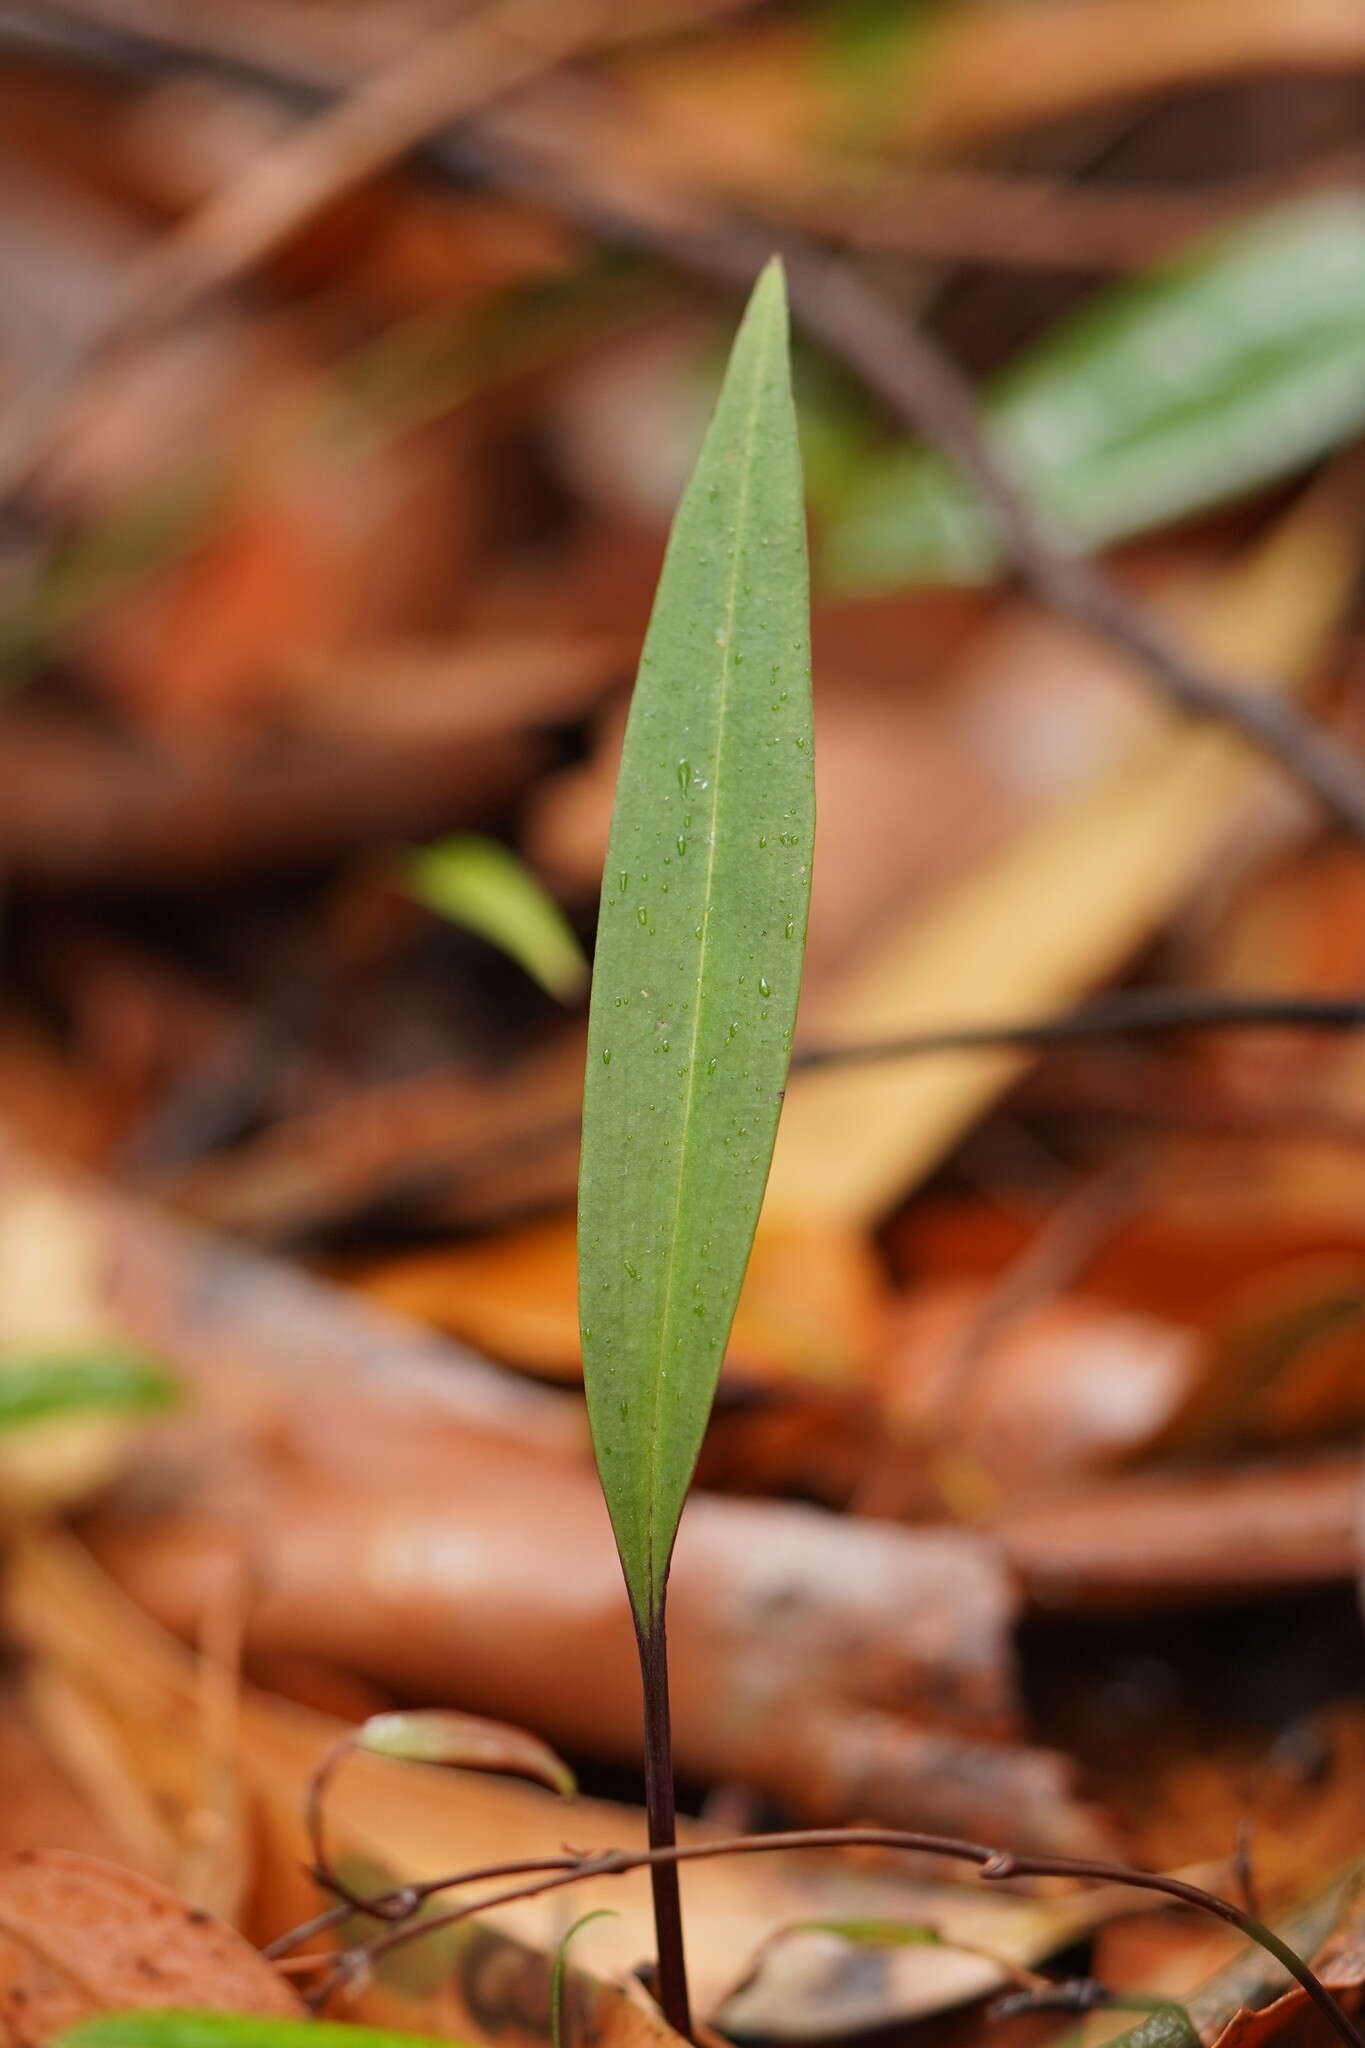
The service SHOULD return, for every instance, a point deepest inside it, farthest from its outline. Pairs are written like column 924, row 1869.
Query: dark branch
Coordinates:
column 1149, row 1011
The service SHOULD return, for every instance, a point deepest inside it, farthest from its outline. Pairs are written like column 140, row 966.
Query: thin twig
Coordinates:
column 1151, row 1012
column 552, row 1873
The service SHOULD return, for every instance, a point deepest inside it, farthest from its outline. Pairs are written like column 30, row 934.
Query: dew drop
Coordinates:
column 624, row 881
column 606, row 1055
column 682, row 845
column 642, row 915
column 789, row 929
column 684, row 774
column 763, row 988
column 633, row 1272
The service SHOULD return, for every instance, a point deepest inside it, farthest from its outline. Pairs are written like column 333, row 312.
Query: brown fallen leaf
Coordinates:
column 1222, row 1327
column 416, row 1822
column 39, row 1803
column 832, row 1662
column 1161, row 1536
column 1063, row 1390
column 478, row 1144
column 79, row 1936
column 490, row 683
column 811, row 1652
column 971, row 73
column 247, row 1330
column 90, row 803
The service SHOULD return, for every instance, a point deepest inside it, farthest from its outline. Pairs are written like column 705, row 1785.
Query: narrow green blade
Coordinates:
column 699, row 946
column 39, row 1385
column 1216, row 374
column 163, row 2028
column 482, row 885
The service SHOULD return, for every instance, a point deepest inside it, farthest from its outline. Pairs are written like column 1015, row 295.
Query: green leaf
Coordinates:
column 699, row 946
column 1234, row 366
column 36, row 1385
column 165, row 2028
column 438, row 1735
column 482, row 885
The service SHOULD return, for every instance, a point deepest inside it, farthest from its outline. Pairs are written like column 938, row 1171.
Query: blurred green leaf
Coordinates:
column 700, row 940
column 1219, row 373
column 36, row 1385
column 164, row 2028
column 437, row 1735
column 481, row 884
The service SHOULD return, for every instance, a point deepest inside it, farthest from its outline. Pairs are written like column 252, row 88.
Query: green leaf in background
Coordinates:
column 1221, row 372
column 481, row 884
column 438, row 1735
column 699, row 947
column 167, row 2029
column 38, row 1385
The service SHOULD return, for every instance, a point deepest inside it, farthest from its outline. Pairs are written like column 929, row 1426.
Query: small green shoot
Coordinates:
column 559, row 1972
column 433, row 1735
column 481, row 884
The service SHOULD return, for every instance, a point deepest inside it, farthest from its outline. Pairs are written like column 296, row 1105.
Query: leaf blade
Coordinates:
column 700, row 940
column 1234, row 365
column 440, row 1735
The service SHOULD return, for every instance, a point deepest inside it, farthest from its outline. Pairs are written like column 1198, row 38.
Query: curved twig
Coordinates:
column 551, row 1873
